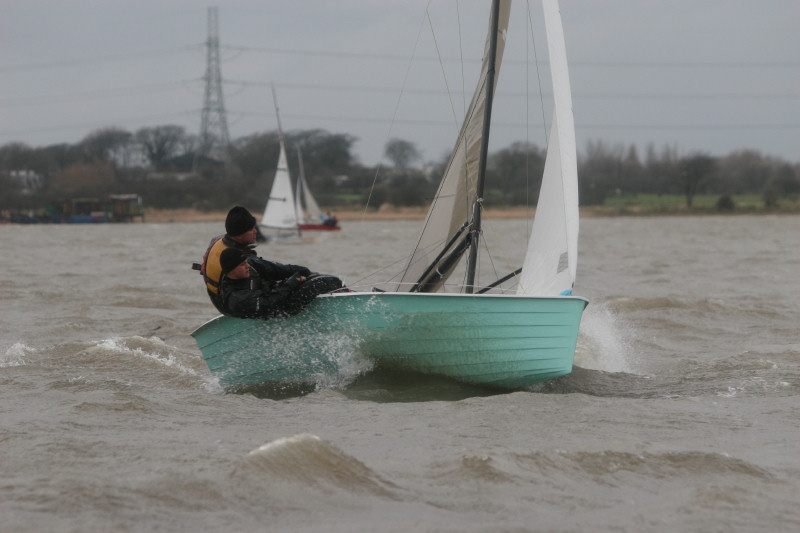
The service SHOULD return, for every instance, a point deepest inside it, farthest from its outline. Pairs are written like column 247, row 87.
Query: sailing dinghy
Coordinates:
column 307, row 208
column 280, row 218
column 478, row 335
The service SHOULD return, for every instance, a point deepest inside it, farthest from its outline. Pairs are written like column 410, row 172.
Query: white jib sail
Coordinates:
column 453, row 202
column 307, row 207
column 312, row 208
column 552, row 256
column 280, row 209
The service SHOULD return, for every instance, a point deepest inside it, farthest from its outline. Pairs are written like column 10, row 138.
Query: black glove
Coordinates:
column 293, row 281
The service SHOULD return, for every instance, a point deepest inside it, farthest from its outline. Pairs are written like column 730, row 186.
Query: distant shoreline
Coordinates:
column 418, row 213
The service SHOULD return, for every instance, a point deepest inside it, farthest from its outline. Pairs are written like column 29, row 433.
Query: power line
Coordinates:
column 391, row 57
column 98, row 59
column 166, row 86
column 446, row 123
column 93, row 95
column 520, row 94
column 414, row 122
column 96, row 125
column 605, row 64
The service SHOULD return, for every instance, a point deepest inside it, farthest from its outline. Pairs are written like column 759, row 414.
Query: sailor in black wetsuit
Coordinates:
column 252, row 287
column 242, row 234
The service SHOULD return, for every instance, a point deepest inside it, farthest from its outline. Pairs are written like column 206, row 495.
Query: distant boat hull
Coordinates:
column 286, row 235
column 319, row 227
column 500, row 341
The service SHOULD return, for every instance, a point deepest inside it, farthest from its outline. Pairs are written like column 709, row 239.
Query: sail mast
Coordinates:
column 277, row 114
column 298, row 191
column 282, row 143
column 487, row 113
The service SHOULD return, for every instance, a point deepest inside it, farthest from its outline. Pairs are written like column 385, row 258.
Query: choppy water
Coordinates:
column 681, row 416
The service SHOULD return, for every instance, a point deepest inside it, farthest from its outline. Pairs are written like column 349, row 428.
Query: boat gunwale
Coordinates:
column 414, row 295
column 450, row 295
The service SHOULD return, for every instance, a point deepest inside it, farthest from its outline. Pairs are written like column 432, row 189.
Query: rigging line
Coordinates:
column 538, row 75
column 529, row 221
column 527, row 120
column 499, row 240
column 403, row 259
column 441, row 66
column 464, row 277
column 461, row 53
column 489, row 254
column 394, row 114
column 464, row 109
column 467, row 179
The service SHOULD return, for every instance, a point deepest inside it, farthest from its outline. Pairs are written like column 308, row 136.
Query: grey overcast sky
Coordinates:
column 700, row 75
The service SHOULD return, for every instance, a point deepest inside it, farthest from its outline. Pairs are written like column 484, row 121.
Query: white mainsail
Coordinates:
column 280, row 211
column 552, row 256
column 453, row 202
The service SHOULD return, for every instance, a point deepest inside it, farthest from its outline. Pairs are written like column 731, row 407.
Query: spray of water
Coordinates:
column 603, row 344
column 15, row 356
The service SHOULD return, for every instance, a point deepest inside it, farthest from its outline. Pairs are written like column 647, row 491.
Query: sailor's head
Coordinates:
column 234, row 263
column 241, row 225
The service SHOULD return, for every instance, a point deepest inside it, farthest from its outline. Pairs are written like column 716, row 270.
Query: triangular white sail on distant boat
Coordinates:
column 307, row 208
column 280, row 212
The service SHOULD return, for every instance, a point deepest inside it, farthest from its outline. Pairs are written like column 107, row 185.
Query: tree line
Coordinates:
column 159, row 163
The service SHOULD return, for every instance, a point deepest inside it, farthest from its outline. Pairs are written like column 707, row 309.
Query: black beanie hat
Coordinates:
column 231, row 258
column 238, row 221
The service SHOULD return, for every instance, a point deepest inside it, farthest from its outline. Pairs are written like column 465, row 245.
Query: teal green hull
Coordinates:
column 501, row 341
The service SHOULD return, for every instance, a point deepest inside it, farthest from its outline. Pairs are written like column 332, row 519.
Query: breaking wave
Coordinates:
column 16, row 355
column 313, row 462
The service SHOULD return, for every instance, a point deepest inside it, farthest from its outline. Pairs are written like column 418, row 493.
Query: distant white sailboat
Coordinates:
column 311, row 217
column 280, row 218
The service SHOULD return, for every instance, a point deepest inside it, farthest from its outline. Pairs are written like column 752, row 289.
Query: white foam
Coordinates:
column 342, row 350
column 15, row 355
column 119, row 346
column 283, row 442
column 601, row 344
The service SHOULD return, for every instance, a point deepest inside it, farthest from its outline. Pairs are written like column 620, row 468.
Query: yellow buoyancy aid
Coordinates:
column 212, row 269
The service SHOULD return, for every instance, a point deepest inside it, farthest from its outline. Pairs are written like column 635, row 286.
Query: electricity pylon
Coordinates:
column 214, row 140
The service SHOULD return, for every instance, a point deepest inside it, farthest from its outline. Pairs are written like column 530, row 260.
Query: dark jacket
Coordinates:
column 212, row 270
column 265, row 293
